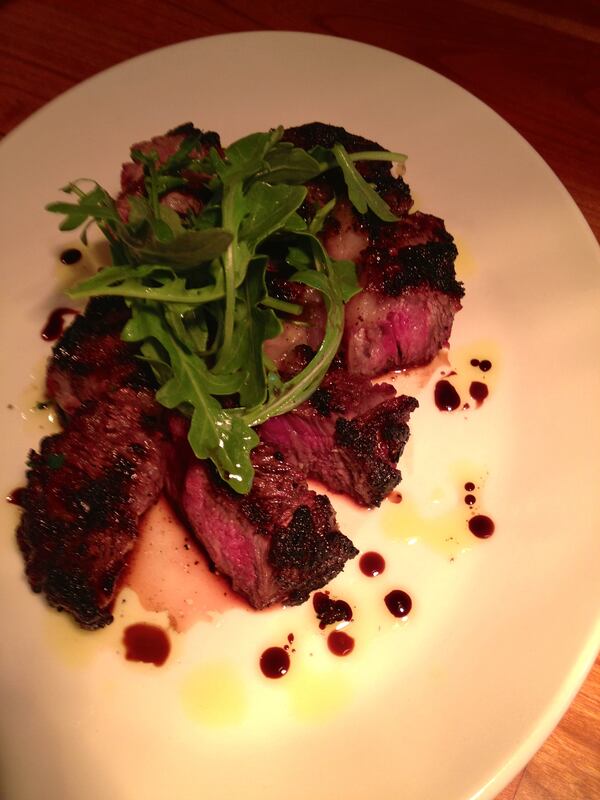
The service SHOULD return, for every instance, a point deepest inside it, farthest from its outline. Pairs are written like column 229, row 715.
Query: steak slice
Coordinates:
column 384, row 333
column 91, row 360
column 349, row 435
column 87, row 488
column 405, row 313
column 275, row 544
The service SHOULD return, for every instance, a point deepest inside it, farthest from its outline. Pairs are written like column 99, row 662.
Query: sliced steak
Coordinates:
column 349, row 435
column 87, row 488
column 404, row 314
column 91, row 360
column 384, row 333
column 275, row 544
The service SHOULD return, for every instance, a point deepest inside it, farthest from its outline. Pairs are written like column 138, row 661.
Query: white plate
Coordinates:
column 449, row 704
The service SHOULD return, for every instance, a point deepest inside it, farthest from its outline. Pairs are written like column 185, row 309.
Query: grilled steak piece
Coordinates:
column 87, row 488
column 404, row 314
column 384, row 333
column 410, row 296
column 307, row 329
column 349, row 435
column 90, row 359
column 189, row 199
column 275, row 544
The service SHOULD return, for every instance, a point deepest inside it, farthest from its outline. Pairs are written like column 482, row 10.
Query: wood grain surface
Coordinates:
column 537, row 63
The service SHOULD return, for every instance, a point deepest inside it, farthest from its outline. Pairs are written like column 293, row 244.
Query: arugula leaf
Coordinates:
column 362, row 196
column 145, row 282
column 285, row 163
column 258, row 325
column 214, row 432
column 317, row 222
column 326, row 158
column 96, row 205
column 189, row 250
column 378, row 155
column 270, row 207
column 246, row 157
column 284, row 397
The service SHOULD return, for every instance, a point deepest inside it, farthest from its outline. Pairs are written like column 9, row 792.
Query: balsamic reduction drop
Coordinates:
column 274, row 662
column 469, row 486
column 446, row 397
column 484, row 365
column 478, row 391
column 398, row 603
column 329, row 611
column 55, row 324
column 481, row 526
column 371, row 564
column 340, row 643
column 147, row 643
column 70, row 256
column 470, row 499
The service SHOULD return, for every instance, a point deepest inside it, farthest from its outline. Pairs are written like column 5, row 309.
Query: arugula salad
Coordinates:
column 195, row 284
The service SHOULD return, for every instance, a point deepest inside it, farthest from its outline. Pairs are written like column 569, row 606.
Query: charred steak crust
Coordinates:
column 90, row 360
column 275, row 544
column 87, row 488
column 349, row 434
column 417, row 251
column 375, row 441
column 310, row 551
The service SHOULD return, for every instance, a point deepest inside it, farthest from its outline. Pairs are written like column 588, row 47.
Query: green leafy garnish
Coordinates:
column 196, row 286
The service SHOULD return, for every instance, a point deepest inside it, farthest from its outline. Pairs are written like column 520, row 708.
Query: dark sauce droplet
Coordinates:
column 484, row 365
column 55, row 324
column 290, row 637
column 470, row 499
column 340, row 643
column 446, row 396
column 274, row 662
column 481, row 526
column 147, row 643
column 17, row 496
column 395, row 497
column 70, row 256
column 371, row 564
column 398, row 603
column 329, row 611
column 469, row 486
column 478, row 391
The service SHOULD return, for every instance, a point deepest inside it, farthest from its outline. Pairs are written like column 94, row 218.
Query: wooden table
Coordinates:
column 537, row 63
